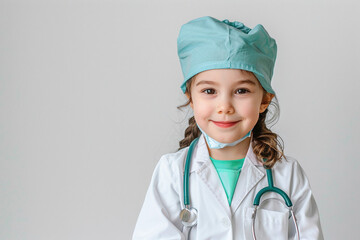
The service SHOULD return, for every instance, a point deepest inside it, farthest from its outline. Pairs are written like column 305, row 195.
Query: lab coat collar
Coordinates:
column 250, row 175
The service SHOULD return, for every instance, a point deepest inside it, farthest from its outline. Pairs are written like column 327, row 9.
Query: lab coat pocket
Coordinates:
column 269, row 224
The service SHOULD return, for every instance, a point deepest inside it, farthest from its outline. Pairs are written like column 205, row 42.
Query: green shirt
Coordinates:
column 228, row 171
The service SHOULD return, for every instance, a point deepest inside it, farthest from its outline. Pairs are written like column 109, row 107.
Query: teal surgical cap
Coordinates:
column 208, row 43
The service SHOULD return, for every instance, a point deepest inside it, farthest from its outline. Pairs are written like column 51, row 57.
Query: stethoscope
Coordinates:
column 188, row 215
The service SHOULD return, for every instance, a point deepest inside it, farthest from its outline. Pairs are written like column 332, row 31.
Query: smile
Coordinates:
column 225, row 124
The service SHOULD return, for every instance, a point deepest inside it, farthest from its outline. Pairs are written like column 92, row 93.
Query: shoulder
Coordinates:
column 292, row 174
column 170, row 166
column 175, row 160
column 290, row 171
column 289, row 164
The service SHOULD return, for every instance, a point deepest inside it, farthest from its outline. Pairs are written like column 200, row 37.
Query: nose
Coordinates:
column 225, row 105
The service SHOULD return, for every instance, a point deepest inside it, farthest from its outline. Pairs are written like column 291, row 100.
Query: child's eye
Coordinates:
column 208, row 90
column 243, row 90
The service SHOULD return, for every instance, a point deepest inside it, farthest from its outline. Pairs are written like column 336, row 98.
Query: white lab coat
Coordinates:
column 159, row 216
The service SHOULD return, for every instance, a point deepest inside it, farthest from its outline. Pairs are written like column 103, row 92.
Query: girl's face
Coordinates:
column 227, row 95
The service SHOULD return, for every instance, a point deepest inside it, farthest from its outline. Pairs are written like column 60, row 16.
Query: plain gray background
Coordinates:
column 88, row 96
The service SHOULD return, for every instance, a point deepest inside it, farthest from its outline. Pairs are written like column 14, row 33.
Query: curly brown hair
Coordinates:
column 266, row 144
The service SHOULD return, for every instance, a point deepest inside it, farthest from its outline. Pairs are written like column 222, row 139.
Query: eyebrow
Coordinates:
column 245, row 81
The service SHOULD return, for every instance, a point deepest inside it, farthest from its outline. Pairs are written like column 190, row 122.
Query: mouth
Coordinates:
column 225, row 124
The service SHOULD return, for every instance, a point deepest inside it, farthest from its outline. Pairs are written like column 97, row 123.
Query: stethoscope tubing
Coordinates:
column 187, row 172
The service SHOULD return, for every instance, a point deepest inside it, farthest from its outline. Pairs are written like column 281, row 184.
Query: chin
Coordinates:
column 226, row 139
column 229, row 139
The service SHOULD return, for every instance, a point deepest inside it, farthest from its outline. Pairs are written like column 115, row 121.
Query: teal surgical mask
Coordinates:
column 212, row 143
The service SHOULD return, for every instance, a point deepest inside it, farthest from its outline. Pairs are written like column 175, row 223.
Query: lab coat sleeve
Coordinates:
column 304, row 206
column 159, row 215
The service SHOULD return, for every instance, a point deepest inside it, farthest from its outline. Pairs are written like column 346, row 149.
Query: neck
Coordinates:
column 231, row 152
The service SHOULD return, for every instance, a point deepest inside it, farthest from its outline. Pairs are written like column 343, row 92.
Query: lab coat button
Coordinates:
column 225, row 222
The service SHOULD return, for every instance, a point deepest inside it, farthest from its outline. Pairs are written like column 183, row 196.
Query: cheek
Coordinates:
column 248, row 108
column 202, row 109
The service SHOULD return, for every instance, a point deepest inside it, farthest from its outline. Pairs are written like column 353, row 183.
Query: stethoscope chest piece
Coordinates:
column 188, row 216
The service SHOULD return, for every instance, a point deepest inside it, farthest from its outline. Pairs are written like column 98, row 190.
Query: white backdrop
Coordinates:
column 88, row 96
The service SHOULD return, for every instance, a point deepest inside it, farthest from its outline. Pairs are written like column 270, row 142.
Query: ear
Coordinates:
column 188, row 96
column 266, row 101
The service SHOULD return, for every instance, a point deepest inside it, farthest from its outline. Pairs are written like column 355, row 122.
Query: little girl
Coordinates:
column 209, row 188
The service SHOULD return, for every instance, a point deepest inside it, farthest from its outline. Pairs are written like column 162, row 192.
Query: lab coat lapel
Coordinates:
column 202, row 165
column 250, row 175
